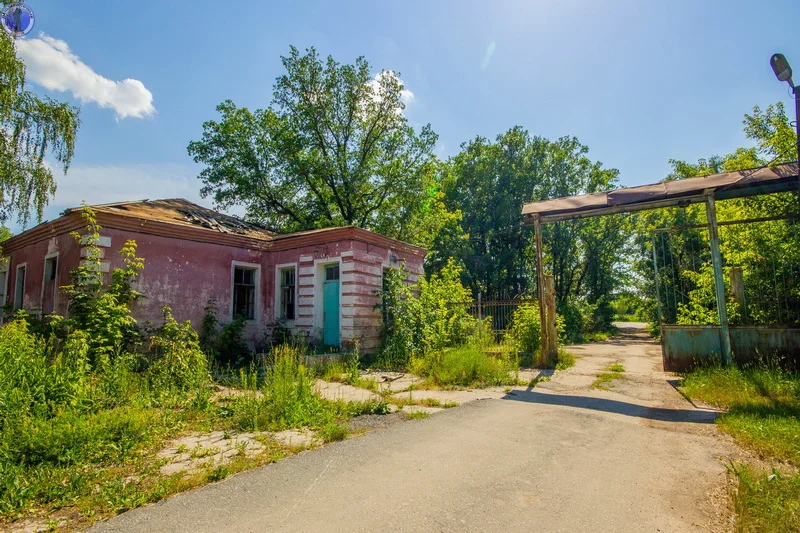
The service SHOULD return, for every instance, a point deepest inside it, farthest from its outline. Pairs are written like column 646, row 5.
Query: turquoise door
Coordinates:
column 330, row 306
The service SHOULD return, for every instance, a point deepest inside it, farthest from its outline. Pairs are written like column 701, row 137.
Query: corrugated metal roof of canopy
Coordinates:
column 752, row 182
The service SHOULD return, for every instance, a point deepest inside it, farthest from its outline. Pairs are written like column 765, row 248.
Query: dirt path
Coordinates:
column 559, row 457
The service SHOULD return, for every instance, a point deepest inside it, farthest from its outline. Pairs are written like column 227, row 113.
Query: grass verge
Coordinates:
column 763, row 414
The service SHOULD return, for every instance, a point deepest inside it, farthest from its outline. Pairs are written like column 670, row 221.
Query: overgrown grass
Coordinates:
column 85, row 437
column 613, row 372
column 565, row 359
column 347, row 371
column 763, row 406
column 766, row 502
column 402, row 401
column 466, row 366
column 763, row 413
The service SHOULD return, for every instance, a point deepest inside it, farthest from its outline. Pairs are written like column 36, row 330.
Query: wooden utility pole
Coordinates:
column 537, row 226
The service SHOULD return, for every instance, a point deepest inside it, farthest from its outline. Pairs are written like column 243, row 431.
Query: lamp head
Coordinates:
column 780, row 66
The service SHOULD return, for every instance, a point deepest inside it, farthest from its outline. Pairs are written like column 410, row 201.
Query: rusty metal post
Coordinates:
column 737, row 288
column 537, row 225
column 719, row 282
column 550, row 303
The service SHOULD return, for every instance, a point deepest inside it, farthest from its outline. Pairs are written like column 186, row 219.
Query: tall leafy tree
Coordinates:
column 767, row 252
column 490, row 182
column 334, row 148
column 30, row 127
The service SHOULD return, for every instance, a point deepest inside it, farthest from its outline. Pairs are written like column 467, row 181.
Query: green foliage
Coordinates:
column 30, row 127
column 766, row 502
column 612, row 372
column 223, row 342
column 34, row 382
column 332, row 432
column 763, row 405
column 333, row 149
column 427, row 316
column 444, row 317
column 176, row 359
column 766, row 252
column 565, row 359
column 287, row 398
column 99, row 310
column 525, row 331
column 490, row 181
column 465, row 366
column 763, row 413
column 63, row 422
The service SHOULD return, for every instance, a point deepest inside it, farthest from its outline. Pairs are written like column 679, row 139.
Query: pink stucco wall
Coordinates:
column 185, row 274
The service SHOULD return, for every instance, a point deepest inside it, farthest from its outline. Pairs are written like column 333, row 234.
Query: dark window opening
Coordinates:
column 19, row 289
column 244, row 292
column 50, row 268
column 288, row 277
column 332, row 273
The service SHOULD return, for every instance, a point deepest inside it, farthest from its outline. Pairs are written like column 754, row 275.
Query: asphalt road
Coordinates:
column 560, row 457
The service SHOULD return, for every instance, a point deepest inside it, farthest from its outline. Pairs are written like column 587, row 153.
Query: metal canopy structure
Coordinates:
column 753, row 182
column 677, row 193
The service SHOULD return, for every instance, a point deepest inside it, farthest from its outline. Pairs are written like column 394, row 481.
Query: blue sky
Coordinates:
column 639, row 82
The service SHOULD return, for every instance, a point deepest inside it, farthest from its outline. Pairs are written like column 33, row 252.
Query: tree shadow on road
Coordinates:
column 614, row 406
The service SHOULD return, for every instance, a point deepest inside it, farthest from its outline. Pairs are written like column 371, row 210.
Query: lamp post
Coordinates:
column 783, row 71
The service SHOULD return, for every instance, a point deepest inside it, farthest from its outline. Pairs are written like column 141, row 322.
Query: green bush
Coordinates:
column 288, row 397
column 34, row 382
column 525, row 331
column 465, row 366
column 101, row 311
column 223, row 342
column 177, row 362
column 580, row 321
column 428, row 316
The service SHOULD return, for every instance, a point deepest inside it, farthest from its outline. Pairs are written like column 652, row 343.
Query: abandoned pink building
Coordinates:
column 323, row 284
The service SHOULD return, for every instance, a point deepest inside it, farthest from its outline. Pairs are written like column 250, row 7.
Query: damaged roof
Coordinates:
column 182, row 219
column 183, row 213
column 724, row 186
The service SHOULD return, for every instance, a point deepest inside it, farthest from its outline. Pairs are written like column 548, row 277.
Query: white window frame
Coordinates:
column 21, row 303
column 55, row 281
column 257, row 268
column 278, row 306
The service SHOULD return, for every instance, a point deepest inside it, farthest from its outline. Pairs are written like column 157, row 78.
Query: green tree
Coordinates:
column 766, row 252
column 30, row 128
column 489, row 182
column 333, row 149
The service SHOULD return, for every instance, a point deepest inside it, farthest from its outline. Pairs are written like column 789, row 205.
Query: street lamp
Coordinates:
column 783, row 71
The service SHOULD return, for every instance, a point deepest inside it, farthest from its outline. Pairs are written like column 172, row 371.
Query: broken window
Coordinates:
column 288, row 282
column 244, row 292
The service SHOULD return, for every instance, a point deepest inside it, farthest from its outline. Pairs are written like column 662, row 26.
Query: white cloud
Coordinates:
column 406, row 96
column 50, row 63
